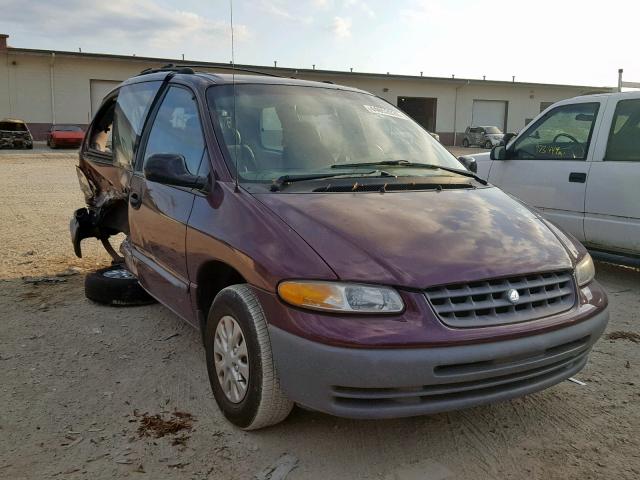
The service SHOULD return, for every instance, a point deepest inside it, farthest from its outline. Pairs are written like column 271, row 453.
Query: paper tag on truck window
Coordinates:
column 384, row 111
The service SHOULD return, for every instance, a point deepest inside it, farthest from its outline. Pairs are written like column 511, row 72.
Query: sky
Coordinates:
column 548, row 41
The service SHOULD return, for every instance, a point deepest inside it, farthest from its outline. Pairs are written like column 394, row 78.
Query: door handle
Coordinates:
column 135, row 200
column 577, row 177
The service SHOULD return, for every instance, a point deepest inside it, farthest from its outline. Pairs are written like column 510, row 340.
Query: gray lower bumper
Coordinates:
column 384, row 383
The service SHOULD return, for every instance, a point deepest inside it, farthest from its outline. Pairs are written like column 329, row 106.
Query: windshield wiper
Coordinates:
column 279, row 182
column 406, row 163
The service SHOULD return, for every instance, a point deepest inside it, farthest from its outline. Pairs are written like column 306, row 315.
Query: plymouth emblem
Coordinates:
column 513, row 296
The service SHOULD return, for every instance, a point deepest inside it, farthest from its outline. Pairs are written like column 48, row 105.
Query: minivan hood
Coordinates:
column 420, row 239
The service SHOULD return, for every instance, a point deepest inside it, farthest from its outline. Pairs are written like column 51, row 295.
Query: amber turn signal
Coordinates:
column 341, row 297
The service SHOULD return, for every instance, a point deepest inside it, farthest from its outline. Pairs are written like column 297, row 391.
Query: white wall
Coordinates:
column 25, row 89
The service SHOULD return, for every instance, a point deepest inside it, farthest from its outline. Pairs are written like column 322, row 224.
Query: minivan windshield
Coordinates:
column 289, row 130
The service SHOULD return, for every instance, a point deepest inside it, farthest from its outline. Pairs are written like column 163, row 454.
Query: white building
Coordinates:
column 44, row 87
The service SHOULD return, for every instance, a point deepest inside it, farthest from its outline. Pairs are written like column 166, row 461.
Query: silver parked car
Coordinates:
column 487, row 137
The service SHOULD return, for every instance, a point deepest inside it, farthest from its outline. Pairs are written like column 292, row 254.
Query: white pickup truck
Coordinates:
column 578, row 163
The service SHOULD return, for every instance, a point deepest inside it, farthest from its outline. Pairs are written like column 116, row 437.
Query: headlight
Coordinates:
column 341, row 297
column 585, row 271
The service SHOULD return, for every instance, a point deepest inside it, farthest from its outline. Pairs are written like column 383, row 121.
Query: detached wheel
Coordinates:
column 115, row 285
column 243, row 377
column 465, row 143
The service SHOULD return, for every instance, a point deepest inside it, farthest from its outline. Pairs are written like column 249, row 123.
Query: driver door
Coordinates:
column 549, row 163
column 158, row 213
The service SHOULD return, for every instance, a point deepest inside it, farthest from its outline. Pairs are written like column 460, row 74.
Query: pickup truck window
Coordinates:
column 564, row 133
column 177, row 129
column 624, row 136
column 132, row 108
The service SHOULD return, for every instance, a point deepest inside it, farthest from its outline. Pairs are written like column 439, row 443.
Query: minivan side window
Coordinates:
column 177, row 129
column 132, row 107
column 100, row 136
column 564, row 133
column 624, row 136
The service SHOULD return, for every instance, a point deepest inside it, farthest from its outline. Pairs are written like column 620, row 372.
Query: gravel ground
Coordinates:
column 76, row 379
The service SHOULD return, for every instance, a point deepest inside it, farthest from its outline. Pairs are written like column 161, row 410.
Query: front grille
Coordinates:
column 486, row 303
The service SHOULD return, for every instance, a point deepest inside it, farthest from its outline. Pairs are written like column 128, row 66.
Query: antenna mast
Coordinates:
column 233, row 83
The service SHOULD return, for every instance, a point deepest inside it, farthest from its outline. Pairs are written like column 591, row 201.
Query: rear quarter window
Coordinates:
column 101, row 133
column 624, row 136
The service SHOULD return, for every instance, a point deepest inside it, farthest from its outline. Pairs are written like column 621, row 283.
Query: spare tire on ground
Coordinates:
column 117, row 286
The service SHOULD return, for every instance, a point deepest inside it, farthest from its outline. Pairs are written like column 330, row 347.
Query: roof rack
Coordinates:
column 170, row 67
column 189, row 69
column 220, row 67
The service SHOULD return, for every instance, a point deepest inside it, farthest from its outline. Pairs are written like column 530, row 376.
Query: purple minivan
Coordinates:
column 332, row 253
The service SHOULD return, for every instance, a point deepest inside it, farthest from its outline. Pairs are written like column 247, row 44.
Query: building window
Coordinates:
column 545, row 105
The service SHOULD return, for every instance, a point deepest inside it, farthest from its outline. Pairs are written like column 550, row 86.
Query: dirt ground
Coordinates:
column 81, row 384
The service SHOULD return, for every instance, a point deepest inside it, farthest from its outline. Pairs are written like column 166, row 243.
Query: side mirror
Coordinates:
column 469, row 163
column 498, row 152
column 171, row 169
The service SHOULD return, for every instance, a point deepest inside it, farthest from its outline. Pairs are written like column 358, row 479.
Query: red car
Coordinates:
column 64, row 136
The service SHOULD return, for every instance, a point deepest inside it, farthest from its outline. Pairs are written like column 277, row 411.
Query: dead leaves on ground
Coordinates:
column 162, row 424
column 622, row 335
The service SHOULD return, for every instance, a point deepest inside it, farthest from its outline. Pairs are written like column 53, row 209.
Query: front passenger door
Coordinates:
column 547, row 166
column 158, row 214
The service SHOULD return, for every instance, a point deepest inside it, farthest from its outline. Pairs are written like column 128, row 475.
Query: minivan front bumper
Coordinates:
column 401, row 382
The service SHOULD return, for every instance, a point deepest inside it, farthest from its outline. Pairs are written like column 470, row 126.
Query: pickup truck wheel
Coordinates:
column 243, row 377
column 117, row 286
column 465, row 143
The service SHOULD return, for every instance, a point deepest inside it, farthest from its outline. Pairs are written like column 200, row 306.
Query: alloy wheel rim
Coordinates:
column 231, row 359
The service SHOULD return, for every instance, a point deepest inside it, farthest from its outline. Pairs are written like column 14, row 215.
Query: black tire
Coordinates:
column 115, row 286
column 488, row 144
column 264, row 403
column 465, row 143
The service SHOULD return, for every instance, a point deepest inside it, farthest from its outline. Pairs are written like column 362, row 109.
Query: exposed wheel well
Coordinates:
column 213, row 277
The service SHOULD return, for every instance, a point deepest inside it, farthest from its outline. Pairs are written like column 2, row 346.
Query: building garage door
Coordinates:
column 99, row 88
column 422, row 110
column 489, row 113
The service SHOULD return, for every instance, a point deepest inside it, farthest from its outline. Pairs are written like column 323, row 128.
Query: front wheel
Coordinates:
column 465, row 143
column 243, row 377
column 488, row 145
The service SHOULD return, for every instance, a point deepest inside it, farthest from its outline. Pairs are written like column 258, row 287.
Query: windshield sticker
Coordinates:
column 552, row 150
column 384, row 111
